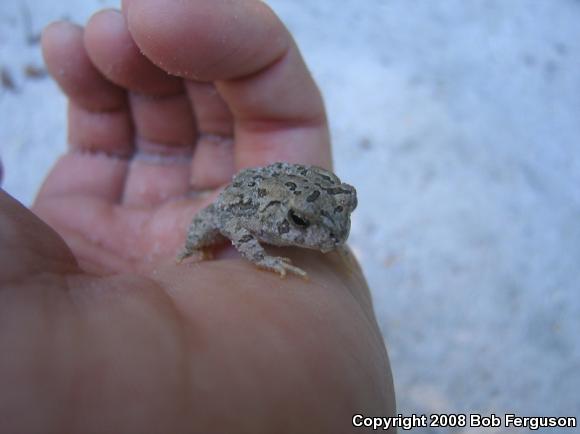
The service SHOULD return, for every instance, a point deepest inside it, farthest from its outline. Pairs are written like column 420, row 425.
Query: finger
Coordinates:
column 29, row 247
column 94, row 175
column 213, row 117
column 161, row 169
column 69, row 65
column 162, row 113
column 100, row 129
column 112, row 50
column 213, row 162
column 243, row 47
column 155, row 179
column 109, row 132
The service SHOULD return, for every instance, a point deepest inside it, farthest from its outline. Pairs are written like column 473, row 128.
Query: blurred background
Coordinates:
column 459, row 124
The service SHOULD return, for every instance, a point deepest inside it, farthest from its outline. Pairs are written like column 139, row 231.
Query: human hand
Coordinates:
column 107, row 334
column 119, row 213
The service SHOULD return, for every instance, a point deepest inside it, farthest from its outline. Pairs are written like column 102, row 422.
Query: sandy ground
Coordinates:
column 459, row 123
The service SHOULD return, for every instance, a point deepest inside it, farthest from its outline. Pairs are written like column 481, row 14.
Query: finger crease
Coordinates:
column 220, row 139
column 97, row 151
column 173, row 158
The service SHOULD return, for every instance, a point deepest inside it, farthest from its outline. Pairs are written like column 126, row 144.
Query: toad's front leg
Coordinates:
column 250, row 248
column 203, row 232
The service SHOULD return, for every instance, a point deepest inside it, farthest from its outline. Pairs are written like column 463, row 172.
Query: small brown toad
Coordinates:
column 281, row 204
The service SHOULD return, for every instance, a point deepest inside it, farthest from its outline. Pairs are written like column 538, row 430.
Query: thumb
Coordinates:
column 28, row 245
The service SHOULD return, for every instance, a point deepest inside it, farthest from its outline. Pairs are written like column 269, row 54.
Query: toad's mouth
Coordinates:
column 333, row 243
column 324, row 248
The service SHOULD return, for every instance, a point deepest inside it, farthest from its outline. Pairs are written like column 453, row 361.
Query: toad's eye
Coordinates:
column 297, row 220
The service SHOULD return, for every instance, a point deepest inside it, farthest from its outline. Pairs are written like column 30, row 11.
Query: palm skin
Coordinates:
column 105, row 332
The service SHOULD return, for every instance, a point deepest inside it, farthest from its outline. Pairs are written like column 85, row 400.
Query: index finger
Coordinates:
column 244, row 48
